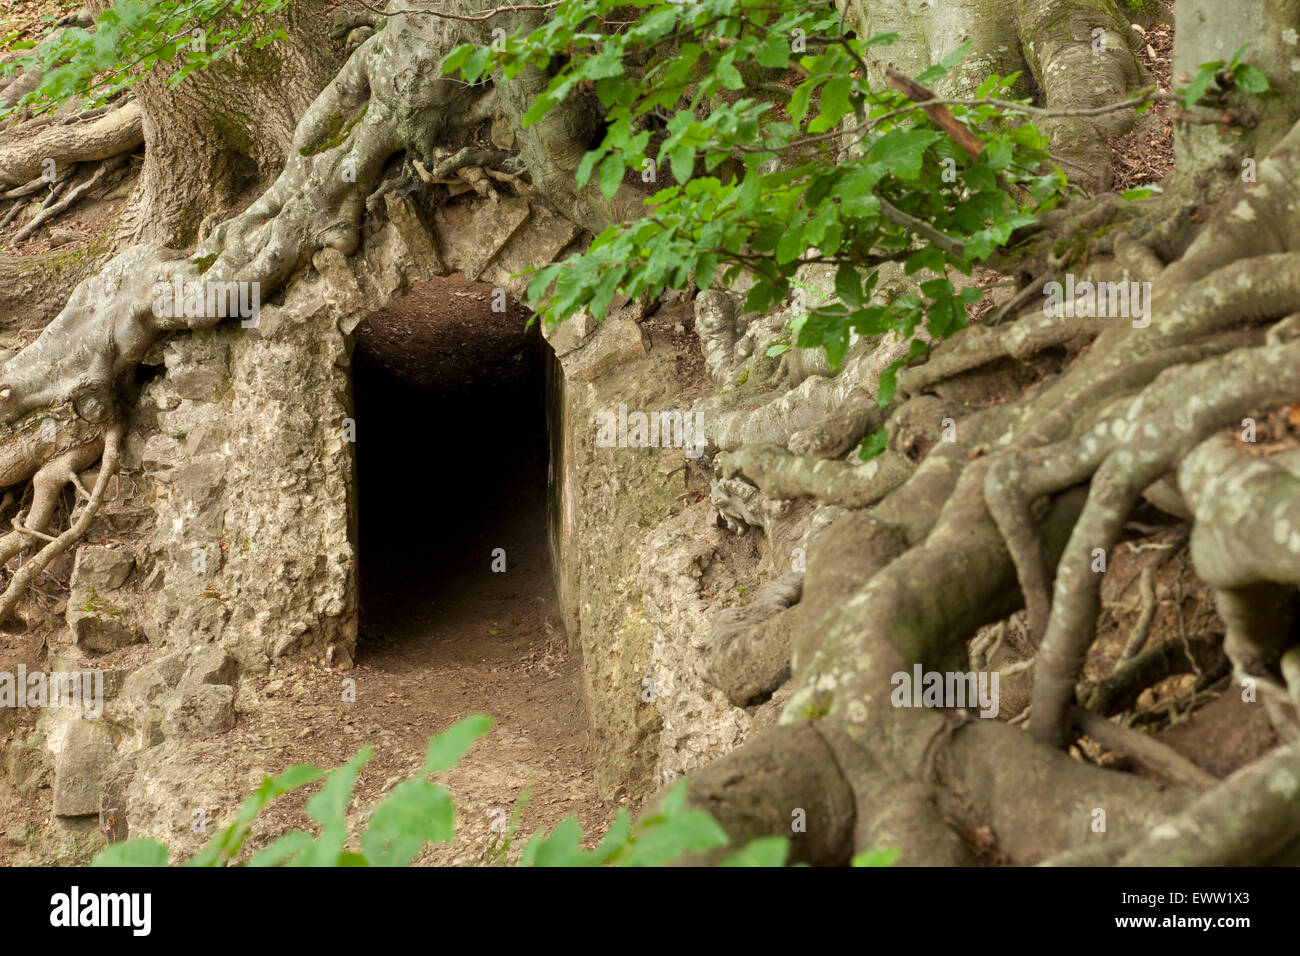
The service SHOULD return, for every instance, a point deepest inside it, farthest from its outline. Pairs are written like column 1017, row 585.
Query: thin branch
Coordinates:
column 921, row 228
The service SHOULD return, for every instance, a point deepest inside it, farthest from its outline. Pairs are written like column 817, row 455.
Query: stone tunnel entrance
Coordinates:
column 451, row 456
column 458, row 606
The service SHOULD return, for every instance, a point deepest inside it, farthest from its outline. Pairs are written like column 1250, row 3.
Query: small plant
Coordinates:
column 91, row 605
column 418, row 812
column 1232, row 75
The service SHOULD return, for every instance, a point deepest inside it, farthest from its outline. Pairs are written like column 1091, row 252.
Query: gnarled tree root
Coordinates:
column 41, row 560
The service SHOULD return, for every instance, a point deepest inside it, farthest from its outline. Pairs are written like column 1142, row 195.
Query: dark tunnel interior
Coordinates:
column 451, row 461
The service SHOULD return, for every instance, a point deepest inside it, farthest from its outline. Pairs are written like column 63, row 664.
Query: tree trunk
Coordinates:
column 225, row 129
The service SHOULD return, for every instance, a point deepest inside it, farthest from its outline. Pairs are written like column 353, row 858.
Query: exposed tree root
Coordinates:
column 117, row 132
column 978, row 345
column 56, row 546
column 1145, row 749
column 748, row 655
column 1246, row 819
column 1134, row 408
column 843, row 429
column 1120, row 690
column 783, row 475
column 71, row 196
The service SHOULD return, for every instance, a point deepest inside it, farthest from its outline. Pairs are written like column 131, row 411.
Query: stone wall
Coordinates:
column 230, row 545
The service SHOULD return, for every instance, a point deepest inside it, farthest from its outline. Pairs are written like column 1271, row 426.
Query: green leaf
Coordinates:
column 225, row 845
column 142, row 851
column 775, row 52
column 456, row 58
column 888, row 386
column 446, row 749
column 848, row 285
column 874, row 444
column 997, row 153
column 728, row 73
column 607, row 63
column 541, row 106
column 791, row 246
column 616, row 837
column 939, row 70
column 587, row 164
column 937, row 288
column 1140, row 192
column 328, row 804
column 759, row 298
column 286, row 847
column 902, row 150
column 473, row 66
column 1250, row 79
column 655, row 24
column 766, row 851
column 705, row 266
column 414, row 814
column 835, row 102
column 683, row 163
column 611, row 174
column 562, row 848
column 885, row 857
column 540, row 282
column 688, row 831
column 930, row 257
column 801, row 97
column 880, row 39
column 1196, row 89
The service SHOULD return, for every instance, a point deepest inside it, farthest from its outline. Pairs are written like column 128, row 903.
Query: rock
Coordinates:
column 171, row 666
column 699, row 723
column 409, row 224
column 210, row 665
column 471, row 234
column 546, row 236
column 616, row 341
column 182, row 791
column 101, row 569
column 101, row 627
column 98, row 616
column 145, row 696
column 207, row 710
column 27, row 764
column 112, row 801
column 60, row 236
column 79, row 768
